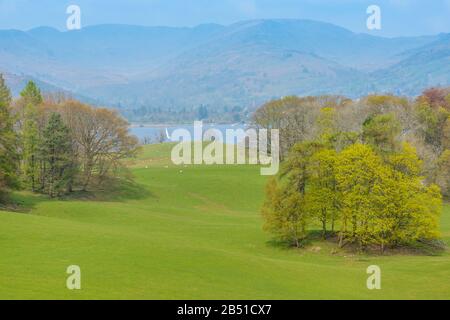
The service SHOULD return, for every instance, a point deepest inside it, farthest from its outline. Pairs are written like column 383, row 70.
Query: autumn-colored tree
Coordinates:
column 437, row 98
column 101, row 140
column 295, row 117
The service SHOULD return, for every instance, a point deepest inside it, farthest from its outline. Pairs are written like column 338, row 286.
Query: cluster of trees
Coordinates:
column 368, row 172
column 55, row 145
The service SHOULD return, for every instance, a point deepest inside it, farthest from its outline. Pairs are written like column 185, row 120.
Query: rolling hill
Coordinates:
column 189, row 234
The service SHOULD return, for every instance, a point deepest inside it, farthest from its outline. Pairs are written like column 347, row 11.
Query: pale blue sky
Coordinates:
column 399, row 17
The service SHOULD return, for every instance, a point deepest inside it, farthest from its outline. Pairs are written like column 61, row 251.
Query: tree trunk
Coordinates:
column 324, row 229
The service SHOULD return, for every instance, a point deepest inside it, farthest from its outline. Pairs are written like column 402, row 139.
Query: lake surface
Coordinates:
column 159, row 133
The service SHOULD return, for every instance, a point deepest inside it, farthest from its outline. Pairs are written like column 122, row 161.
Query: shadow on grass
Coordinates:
column 287, row 245
column 21, row 202
column 315, row 239
column 114, row 190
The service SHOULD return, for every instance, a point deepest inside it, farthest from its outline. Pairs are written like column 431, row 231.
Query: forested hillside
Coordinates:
column 162, row 74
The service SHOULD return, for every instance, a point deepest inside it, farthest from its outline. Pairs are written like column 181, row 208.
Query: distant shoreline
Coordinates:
column 167, row 125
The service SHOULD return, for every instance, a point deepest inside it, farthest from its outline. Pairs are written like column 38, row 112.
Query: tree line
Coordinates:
column 368, row 172
column 55, row 145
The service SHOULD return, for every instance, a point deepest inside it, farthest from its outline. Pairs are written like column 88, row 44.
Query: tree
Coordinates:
column 357, row 173
column 327, row 123
column 30, row 146
column 5, row 93
column 382, row 132
column 8, row 141
column 295, row 168
column 295, row 118
column 443, row 177
column 446, row 134
column 56, row 153
column 437, row 97
column 433, row 122
column 406, row 161
column 323, row 197
column 30, row 99
column 31, row 94
column 284, row 213
column 383, row 205
column 100, row 140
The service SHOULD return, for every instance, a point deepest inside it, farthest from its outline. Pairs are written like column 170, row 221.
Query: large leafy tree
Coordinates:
column 101, row 140
column 378, row 200
column 358, row 174
column 385, row 204
column 285, row 213
column 323, row 198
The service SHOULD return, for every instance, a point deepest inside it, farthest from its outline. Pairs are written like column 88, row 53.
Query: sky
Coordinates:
column 398, row 17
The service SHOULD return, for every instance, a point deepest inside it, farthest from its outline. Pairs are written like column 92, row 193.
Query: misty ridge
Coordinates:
column 241, row 65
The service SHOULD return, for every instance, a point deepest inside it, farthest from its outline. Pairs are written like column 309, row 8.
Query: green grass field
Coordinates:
column 189, row 233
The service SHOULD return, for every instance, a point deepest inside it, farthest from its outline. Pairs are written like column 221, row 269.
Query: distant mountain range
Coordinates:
column 243, row 64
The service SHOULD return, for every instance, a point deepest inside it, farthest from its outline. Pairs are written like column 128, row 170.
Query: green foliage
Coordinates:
column 377, row 201
column 60, row 145
column 322, row 195
column 31, row 94
column 443, row 177
column 433, row 125
column 5, row 93
column 446, row 134
column 296, row 166
column 285, row 213
column 56, row 154
column 382, row 205
column 406, row 161
column 326, row 123
column 382, row 131
column 8, row 141
column 30, row 145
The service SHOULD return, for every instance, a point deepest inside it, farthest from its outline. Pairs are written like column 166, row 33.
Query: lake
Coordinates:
column 158, row 133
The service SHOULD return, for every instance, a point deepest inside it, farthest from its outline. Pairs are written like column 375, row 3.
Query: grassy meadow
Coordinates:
column 188, row 233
